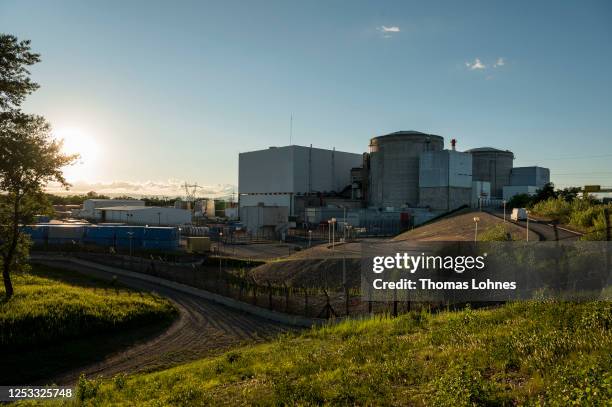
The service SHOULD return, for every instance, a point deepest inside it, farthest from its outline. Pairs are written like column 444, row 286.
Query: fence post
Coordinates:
column 607, row 224
column 608, row 238
column 347, row 299
column 286, row 296
column 328, row 310
column 269, row 295
column 369, row 299
column 394, row 303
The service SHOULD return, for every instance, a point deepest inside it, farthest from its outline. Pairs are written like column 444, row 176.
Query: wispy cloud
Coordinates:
column 388, row 32
column 170, row 188
column 392, row 29
column 477, row 64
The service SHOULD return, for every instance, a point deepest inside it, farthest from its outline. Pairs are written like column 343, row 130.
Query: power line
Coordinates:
column 584, row 173
column 577, row 157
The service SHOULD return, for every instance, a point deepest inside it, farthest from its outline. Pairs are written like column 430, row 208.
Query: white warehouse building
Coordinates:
column 143, row 215
column 275, row 176
column 90, row 206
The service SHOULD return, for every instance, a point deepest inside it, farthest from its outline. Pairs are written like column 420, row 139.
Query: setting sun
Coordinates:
column 77, row 141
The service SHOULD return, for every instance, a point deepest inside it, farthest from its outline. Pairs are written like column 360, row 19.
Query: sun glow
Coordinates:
column 83, row 143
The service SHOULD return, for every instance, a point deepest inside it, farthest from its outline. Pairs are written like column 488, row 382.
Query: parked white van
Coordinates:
column 518, row 214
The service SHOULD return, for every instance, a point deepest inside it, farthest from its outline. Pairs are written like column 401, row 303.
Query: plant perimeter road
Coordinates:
column 202, row 329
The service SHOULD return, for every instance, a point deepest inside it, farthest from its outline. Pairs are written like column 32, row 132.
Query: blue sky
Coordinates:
column 173, row 91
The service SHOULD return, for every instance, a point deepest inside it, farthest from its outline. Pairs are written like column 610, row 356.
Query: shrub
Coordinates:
column 497, row 233
column 555, row 208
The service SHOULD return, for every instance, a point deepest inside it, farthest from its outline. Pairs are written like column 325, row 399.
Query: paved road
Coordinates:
column 545, row 230
column 203, row 328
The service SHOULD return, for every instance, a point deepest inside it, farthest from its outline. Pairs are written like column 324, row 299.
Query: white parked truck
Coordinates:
column 518, row 214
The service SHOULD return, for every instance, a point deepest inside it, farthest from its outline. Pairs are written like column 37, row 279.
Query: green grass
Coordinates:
column 525, row 353
column 60, row 319
column 497, row 233
column 580, row 214
column 45, row 309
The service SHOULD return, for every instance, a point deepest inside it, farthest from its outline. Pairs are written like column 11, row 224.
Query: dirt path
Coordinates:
column 202, row 329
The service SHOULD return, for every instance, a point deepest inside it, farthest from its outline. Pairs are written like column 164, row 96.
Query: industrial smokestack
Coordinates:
column 453, row 144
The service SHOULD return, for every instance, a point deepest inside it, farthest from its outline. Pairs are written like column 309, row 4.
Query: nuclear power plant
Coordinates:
column 405, row 179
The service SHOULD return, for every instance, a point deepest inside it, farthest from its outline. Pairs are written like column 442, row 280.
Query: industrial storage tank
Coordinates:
column 492, row 165
column 394, row 167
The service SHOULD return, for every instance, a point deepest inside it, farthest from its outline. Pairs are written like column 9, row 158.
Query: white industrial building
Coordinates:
column 445, row 179
column 90, row 206
column 275, row 176
column 265, row 221
column 143, row 215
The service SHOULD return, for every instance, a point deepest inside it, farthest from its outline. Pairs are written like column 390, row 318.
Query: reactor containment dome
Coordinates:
column 394, row 167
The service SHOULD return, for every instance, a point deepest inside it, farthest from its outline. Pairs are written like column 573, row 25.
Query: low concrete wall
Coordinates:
column 287, row 319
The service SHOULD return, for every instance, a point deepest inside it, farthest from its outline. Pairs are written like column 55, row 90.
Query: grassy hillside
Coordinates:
column 59, row 320
column 51, row 304
column 461, row 228
column 521, row 353
column 581, row 214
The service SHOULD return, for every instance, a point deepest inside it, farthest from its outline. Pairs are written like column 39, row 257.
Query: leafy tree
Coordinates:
column 545, row 193
column 519, row 201
column 15, row 85
column 569, row 194
column 29, row 156
column 74, row 199
column 29, row 159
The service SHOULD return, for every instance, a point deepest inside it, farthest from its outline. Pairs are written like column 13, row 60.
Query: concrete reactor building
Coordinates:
column 526, row 180
column 394, row 167
column 492, row 165
column 445, row 179
column 535, row 176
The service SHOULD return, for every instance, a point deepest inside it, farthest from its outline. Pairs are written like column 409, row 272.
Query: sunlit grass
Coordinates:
column 50, row 305
column 522, row 353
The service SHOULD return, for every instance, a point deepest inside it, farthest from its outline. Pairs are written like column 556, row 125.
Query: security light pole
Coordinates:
column 333, row 231
column 476, row 220
column 219, row 249
column 344, row 231
column 527, row 212
column 504, row 202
